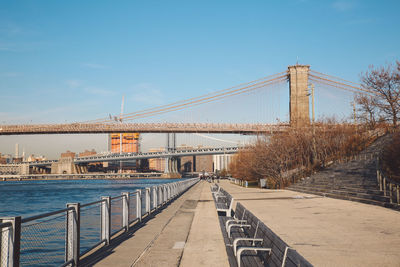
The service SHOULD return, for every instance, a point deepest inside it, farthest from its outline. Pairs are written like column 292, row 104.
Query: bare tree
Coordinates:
column 385, row 83
column 367, row 109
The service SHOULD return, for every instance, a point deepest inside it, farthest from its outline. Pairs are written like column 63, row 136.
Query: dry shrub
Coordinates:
column 281, row 158
column 391, row 157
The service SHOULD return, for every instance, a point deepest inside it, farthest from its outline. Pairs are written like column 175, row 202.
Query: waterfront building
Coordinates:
column 129, row 142
column 157, row 164
column 221, row 162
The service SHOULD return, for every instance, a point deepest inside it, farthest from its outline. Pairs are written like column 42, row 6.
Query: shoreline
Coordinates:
column 96, row 176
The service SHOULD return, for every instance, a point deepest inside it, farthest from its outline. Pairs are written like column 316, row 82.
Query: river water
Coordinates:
column 42, row 244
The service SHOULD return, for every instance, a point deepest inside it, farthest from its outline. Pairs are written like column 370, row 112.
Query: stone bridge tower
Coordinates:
column 299, row 100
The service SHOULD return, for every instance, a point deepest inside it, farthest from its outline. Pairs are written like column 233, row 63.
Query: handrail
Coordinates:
column 40, row 216
column 6, row 224
column 384, row 180
column 92, row 203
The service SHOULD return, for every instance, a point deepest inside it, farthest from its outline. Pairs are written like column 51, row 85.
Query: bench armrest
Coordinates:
column 235, row 221
column 237, row 225
column 235, row 242
column 240, row 250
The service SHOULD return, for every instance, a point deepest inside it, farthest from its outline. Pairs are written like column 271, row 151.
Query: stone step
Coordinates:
column 345, row 193
column 373, row 190
column 361, row 200
column 331, row 184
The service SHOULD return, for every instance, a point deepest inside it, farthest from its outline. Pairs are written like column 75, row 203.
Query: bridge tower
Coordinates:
column 299, row 101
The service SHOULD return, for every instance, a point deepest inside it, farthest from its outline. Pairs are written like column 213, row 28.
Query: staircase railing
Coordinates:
column 389, row 187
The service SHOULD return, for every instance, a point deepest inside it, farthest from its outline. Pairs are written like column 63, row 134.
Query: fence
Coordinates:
column 62, row 237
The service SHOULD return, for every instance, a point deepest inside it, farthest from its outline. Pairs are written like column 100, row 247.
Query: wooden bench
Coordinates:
column 216, row 192
column 257, row 245
column 224, row 204
column 238, row 216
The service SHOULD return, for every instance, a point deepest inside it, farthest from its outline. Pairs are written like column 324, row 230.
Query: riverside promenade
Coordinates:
column 184, row 233
column 326, row 231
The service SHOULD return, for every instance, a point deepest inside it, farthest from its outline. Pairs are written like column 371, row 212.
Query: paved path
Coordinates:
column 176, row 236
column 326, row 231
column 205, row 245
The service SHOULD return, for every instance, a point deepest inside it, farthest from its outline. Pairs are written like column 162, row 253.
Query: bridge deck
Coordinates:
column 81, row 128
column 326, row 231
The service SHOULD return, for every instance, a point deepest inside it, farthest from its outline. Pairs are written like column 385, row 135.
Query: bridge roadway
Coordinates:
column 148, row 155
column 81, row 128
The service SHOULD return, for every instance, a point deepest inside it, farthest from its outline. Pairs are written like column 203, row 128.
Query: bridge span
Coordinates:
column 134, row 156
column 82, row 128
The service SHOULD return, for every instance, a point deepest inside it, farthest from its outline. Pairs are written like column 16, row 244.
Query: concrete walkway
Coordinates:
column 185, row 233
column 205, row 245
column 326, row 231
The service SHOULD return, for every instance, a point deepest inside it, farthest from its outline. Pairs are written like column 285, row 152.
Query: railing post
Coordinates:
column 390, row 193
column 384, row 186
column 148, row 208
column 125, row 210
column 10, row 242
column 155, row 201
column 106, row 219
column 162, row 195
column 139, row 204
column 72, row 242
column 159, row 196
column 398, row 194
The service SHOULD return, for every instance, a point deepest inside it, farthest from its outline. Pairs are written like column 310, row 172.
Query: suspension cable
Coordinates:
column 204, row 101
column 172, row 105
column 342, row 84
column 334, row 77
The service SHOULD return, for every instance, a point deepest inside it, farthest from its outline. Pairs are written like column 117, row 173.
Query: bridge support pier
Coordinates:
column 299, row 96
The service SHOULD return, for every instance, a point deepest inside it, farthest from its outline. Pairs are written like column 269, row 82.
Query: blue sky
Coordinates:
column 73, row 60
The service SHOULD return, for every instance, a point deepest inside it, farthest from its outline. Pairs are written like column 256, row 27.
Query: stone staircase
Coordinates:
column 354, row 180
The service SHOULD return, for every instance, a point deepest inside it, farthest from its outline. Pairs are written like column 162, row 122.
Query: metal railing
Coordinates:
column 389, row 187
column 62, row 237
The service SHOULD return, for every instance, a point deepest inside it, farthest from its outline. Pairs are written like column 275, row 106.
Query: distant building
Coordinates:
column 35, row 158
column 204, row 163
column 7, row 157
column 3, row 160
column 157, row 164
column 68, row 154
column 87, row 153
column 221, row 162
column 129, row 142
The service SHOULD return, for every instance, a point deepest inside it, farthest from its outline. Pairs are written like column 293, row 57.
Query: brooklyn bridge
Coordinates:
column 299, row 77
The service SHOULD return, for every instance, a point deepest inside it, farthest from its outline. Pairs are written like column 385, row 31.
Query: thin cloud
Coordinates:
column 74, row 83
column 343, row 6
